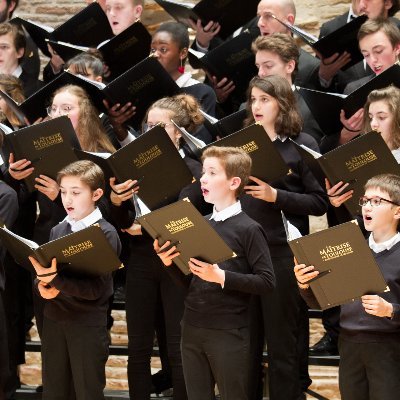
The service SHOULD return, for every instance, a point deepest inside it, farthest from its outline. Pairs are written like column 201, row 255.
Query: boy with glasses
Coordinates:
column 369, row 342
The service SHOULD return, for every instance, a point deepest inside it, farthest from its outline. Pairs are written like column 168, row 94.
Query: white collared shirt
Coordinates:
column 83, row 223
column 351, row 15
column 281, row 138
column 186, row 80
column 227, row 212
column 386, row 245
column 17, row 72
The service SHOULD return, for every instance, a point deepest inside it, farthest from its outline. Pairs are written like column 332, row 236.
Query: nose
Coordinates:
column 374, row 123
column 255, row 105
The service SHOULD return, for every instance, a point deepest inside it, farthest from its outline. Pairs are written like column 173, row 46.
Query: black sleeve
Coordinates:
column 262, row 278
column 311, row 202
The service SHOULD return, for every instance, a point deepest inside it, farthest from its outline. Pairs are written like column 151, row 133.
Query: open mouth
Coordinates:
column 204, row 191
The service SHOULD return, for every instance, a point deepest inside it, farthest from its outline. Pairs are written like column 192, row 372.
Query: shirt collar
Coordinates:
column 280, row 138
column 83, row 223
column 186, row 80
column 17, row 72
column 351, row 15
column 387, row 245
column 227, row 212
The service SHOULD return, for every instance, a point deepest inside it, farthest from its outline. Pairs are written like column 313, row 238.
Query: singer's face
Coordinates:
column 266, row 23
column 378, row 51
column 158, row 115
column 374, row 8
column 168, row 53
column 264, row 107
column 269, row 63
column 381, row 120
column 122, row 14
column 66, row 103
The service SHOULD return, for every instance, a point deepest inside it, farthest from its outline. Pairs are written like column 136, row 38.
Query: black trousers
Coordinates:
column 369, row 371
column 73, row 353
column 147, row 279
column 216, row 356
column 330, row 320
column 282, row 311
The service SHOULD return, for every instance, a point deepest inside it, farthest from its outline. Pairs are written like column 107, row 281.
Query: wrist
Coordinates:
column 351, row 130
column 303, row 286
column 390, row 311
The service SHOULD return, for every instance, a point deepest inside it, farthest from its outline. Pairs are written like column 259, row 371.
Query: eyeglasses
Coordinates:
column 62, row 110
column 147, row 127
column 374, row 201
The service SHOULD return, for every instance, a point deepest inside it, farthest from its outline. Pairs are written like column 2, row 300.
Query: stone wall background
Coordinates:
column 310, row 13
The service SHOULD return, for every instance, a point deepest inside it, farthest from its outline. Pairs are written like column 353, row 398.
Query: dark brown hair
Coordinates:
column 288, row 122
column 281, row 44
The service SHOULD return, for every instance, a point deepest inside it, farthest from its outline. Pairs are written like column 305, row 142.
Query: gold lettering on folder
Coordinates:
column 149, row 155
column 77, row 248
column 361, row 160
column 138, row 85
column 331, row 252
column 238, row 57
column 249, row 147
column 47, row 141
column 125, row 45
column 179, row 225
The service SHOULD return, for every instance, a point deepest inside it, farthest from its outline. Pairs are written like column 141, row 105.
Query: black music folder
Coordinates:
column 348, row 269
column 86, row 252
column 354, row 162
column 153, row 159
column 232, row 59
column 89, row 27
column 267, row 163
column 141, row 85
column 231, row 14
column 226, row 125
column 120, row 53
column 184, row 226
column 34, row 106
column 325, row 106
column 341, row 40
column 48, row 145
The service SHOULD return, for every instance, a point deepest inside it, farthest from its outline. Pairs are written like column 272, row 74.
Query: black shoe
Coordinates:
column 160, row 382
column 326, row 346
column 39, row 389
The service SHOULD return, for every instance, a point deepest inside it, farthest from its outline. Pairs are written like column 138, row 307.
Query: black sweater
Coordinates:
column 207, row 305
column 298, row 196
column 8, row 215
column 359, row 326
column 82, row 301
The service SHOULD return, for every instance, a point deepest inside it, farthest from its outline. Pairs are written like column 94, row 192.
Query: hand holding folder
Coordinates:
column 82, row 253
column 189, row 235
column 346, row 267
